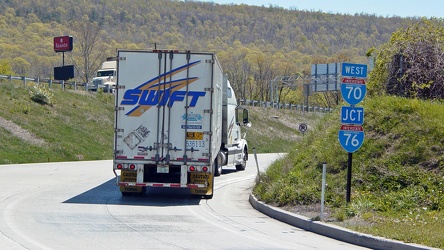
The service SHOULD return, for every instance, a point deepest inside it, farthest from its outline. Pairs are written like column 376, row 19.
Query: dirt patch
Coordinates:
column 21, row 133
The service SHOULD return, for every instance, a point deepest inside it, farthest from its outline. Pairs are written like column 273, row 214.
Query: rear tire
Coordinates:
column 243, row 165
column 218, row 165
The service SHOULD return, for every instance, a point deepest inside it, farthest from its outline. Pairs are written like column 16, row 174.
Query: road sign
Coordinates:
column 351, row 137
column 354, row 70
column 353, row 90
column 352, row 115
column 303, row 127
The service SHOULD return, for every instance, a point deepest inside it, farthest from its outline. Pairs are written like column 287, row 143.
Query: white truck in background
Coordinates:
column 177, row 122
column 106, row 76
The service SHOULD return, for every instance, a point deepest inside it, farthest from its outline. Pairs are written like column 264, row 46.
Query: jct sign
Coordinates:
column 62, row 43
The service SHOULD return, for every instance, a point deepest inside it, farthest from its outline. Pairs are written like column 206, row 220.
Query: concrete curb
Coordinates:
column 331, row 231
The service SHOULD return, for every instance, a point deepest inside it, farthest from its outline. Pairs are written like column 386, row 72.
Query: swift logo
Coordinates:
column 166, row 93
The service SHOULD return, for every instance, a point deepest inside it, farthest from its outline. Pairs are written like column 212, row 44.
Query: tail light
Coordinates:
column 205, row 169
column 192, row 168
column 132, row 166
column 119, row 166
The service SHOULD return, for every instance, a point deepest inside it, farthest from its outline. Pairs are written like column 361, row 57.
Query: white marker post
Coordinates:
column 324, row 173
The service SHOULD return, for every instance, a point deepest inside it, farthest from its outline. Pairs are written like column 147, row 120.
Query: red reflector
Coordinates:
column 132, row 166
column 205, row 169
column 192, row 168
column 119, row 166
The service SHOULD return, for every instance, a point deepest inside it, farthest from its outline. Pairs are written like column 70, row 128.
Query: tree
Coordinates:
column 87, row 40
column 5, row 67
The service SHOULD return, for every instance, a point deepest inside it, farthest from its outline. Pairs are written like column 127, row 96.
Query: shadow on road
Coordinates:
column 109, row 194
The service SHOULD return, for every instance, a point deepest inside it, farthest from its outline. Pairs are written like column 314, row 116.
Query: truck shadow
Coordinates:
column 108, row 194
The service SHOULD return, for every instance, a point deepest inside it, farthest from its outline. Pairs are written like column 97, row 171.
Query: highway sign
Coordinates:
column 354, row 70
column 351, row 137
column 353, row 90
column 352, row 115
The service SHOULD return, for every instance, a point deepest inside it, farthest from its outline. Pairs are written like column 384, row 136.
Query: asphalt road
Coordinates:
column 76, row 205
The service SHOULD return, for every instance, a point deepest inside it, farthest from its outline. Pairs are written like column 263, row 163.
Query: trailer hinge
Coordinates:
column 119, row 108
column 209, row 89
column 120, row 86
column 208, row 133
column 121, row 58
column 209, row 61
column 209, row 111
column 118, row 130
column 206, row 154
column 118, row 152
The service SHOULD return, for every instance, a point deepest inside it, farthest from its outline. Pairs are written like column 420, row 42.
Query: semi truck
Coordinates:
column 177, row 122
column 106, row 76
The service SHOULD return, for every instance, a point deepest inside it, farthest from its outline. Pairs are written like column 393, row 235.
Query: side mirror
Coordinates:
column 245, row 117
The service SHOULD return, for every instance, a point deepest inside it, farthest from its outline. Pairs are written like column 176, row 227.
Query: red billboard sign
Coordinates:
column 62, row 43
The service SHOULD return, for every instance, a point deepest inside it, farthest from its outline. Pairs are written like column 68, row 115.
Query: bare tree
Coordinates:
column 87, row 36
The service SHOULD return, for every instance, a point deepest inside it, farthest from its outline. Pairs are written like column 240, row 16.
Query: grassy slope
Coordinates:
column 77, row 125
column 398, row 174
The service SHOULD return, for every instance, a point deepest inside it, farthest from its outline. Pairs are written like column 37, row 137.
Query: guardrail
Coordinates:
column 37, row 80
column 62, row 83
column 275, row 105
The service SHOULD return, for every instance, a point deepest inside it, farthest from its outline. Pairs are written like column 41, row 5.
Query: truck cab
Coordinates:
column 106, row 76
column 234, row 148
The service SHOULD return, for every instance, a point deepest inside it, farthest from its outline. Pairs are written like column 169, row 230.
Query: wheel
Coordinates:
column 218, row 165
column 243, row 165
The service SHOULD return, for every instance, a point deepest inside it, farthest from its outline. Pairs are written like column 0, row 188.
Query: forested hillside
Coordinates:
column 254, row 44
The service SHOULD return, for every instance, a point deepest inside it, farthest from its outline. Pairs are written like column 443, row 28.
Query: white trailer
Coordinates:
column 177, row 122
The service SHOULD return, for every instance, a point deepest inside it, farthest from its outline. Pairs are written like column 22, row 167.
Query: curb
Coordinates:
column 332, row 231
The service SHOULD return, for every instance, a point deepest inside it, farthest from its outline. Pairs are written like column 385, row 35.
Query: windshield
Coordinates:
column 105, row 73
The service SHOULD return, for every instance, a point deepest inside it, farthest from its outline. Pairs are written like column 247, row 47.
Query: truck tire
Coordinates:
column 243, row 165
column 218, row 165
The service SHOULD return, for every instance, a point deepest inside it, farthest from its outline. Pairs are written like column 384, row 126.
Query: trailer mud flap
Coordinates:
column 129, row 176
column 202, row 178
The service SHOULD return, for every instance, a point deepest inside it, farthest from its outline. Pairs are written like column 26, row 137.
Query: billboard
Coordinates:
column 64, row 72
column 62, row 43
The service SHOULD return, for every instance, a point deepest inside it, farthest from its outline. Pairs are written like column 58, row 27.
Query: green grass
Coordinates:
column 76, row 126
column 398, row 173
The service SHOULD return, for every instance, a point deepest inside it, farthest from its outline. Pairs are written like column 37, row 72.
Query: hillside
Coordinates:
column 254, row 44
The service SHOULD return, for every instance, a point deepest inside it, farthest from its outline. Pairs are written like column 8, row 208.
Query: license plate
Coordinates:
column 163, row 169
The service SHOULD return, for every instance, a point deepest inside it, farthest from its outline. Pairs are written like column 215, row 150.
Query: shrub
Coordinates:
column 41, row 94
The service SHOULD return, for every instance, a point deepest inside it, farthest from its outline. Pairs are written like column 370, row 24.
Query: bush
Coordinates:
column 41, row 94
